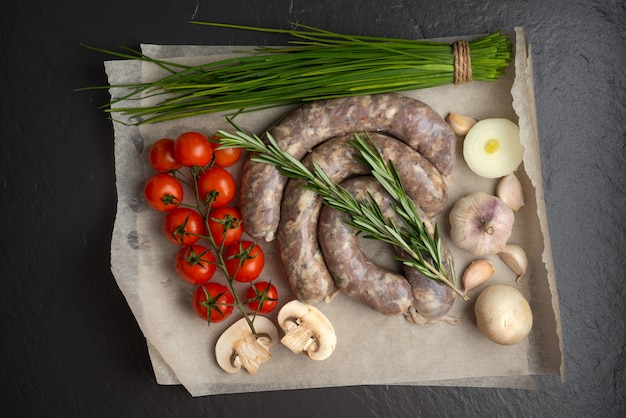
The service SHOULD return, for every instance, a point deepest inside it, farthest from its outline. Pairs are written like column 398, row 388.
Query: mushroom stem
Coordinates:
column 250, row 353
column 307, row 330
column 299, row 339
column 238, row 347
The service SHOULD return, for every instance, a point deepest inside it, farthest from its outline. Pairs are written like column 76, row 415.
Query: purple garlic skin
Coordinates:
column 481, row 223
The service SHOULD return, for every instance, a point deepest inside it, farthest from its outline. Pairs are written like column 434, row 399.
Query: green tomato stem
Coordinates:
column 221, row 263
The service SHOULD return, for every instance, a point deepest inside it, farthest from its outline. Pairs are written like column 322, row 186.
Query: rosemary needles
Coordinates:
column 423, row 250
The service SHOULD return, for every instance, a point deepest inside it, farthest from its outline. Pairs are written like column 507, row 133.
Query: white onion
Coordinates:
column 492, row 148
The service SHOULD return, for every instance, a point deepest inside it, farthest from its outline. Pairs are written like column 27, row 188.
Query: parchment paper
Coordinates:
column 371, row 348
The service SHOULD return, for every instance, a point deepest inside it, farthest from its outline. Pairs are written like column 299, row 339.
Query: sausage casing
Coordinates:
column 297, row 243
column 382, row 290
column 297, row 235
column 409, row 120
column 360, row 278
column 431, row 300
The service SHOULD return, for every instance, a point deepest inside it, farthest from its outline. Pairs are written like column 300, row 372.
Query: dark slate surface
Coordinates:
column 70, row 345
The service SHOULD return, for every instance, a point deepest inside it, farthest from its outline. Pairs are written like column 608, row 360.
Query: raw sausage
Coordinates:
column 429, row 301
column 409, row 120
column 380, row 289
column 297, row 241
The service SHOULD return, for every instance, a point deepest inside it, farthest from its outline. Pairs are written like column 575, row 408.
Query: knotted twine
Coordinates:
column 462, row 62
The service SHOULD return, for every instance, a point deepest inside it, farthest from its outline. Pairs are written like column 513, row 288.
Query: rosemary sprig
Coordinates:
column 365, row 216
column 415, row 230
column 316, row 65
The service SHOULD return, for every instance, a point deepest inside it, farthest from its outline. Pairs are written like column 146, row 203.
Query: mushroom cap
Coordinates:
column 237, row 346
column 307, row 330
column 503, row 314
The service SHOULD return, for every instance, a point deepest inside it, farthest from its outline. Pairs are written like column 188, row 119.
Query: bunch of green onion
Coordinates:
column 317, row 65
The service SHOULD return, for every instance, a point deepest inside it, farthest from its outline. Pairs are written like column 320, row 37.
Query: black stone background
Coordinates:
column 70, row 345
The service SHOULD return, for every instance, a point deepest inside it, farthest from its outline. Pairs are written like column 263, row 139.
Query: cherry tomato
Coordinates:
column 251, row 266
column 193, row 148
column 224, row 157
column 217, row 187
column 213, row 302
column 262, row 297
column 163, row 192
column 162, row 156
column 225, row 225
column 195, row 264
column 183, row 226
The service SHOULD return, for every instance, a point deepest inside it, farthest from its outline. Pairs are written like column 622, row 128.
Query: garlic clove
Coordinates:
column 510, row 190
column 477, row 273
column 481, row 223
column 460, row 124
column 515, row 257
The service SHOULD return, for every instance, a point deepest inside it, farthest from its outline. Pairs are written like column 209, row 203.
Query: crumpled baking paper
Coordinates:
column 371, row 348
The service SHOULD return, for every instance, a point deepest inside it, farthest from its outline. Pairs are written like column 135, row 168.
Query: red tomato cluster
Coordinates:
column 210, row 218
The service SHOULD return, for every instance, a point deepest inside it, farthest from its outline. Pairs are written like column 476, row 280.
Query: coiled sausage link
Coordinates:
column 409, row 120
column 378, row 288
column 297, row 235
column 297, row 243
column 361, row 279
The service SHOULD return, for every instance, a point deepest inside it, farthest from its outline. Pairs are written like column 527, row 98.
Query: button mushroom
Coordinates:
column 503, row 314
column 238, row 347
column 306, row 330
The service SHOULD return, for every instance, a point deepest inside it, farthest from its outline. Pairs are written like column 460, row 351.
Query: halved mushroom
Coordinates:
column 237, row 347
column 306, row 329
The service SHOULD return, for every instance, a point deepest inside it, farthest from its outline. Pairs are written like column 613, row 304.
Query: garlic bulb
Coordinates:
column 510, row 190
column 481, row 223
column 477, row 273
column 515, row 257
column 460, row 124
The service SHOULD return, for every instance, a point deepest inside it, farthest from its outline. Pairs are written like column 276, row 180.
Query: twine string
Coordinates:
column 462, row 62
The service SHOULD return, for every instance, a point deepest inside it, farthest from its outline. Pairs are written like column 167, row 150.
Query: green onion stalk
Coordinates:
column 317, row 64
